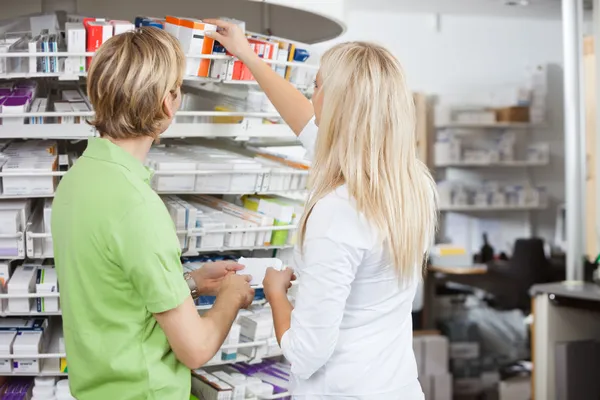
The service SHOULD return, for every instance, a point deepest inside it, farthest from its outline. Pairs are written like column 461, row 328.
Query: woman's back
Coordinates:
column 370, row 354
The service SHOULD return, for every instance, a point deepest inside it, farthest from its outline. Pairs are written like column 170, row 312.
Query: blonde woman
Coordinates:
column 369, row 219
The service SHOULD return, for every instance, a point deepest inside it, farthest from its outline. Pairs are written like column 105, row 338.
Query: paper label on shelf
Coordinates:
column 5, row 365
column 26, row 366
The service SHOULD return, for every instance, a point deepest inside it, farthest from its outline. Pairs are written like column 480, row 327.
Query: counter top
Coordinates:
column 577, row 290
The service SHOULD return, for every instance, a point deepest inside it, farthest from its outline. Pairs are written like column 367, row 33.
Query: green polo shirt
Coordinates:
column 117, row 257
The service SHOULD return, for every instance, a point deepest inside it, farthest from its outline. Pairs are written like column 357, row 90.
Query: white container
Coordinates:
column 22, row 282
column 47, row 282
column 28, row 185
column 6, row 348
column 175, row 182
column 43, row 392
column 75, row 35
column 27, row 343
column 45, row 381
column 233, row 338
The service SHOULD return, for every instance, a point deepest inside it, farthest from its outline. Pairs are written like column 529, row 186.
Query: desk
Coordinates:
column 562, row 312
column 436, row 274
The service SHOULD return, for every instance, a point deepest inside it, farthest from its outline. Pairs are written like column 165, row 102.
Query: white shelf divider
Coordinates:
column 473, row 208
column 491, row 125
column 500, row 164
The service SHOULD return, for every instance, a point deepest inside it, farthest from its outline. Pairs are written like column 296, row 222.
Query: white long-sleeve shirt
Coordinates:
column 351, row 329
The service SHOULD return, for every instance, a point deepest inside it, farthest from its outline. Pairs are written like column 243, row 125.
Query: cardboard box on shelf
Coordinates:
column 28, row 185
column 97, row 32
column 27, row 343
column 46, row 283
column 208, row 387
column 21, row 282
column 6, row 348
column 512, row 114
column 194, row 41
column 76, row 43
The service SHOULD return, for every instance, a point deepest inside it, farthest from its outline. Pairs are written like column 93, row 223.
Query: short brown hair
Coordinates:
column 128, row 80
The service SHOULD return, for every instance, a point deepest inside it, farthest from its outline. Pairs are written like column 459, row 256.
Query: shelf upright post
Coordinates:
column 596, row 33
column 575, row 157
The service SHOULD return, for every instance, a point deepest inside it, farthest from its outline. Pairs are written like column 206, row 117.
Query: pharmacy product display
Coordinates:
column 64, row 53
column 227, row 200
column 491, row 195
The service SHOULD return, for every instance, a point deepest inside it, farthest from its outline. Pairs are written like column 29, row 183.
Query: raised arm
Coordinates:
column 295, row 109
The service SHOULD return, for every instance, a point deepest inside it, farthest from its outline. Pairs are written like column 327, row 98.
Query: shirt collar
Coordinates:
column 105, row 150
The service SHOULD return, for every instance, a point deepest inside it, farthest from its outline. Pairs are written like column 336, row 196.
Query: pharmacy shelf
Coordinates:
column 205, row 307
column 473, row 208
column 46, row 371
column 226, row 249
column 246, row 129
column 500, row 164
column 491, row 125
column 195, row 56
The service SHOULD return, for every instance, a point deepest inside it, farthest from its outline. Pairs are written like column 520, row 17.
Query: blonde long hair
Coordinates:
column 367, row 141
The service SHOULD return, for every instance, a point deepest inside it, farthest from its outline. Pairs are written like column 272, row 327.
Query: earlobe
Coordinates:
column 168, row 107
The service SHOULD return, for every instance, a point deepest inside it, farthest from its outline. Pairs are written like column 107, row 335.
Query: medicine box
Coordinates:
column 257, row 267
column 237, row 382
column 233, row 338
column 22, row 282
column 172, row 25
column 121, row 27
column 208, row 387
column 193, row 41
column 97, row 33
column 255, row 327
column 76, row 43
column 15, row 105
column 175, row 182
column 6, row 348
column 47, row 282
column 27, row 343
column 24, row 185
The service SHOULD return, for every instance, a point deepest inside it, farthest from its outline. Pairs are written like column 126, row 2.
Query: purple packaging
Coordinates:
column 5, row 92
column 23, row 92
column 16, row 101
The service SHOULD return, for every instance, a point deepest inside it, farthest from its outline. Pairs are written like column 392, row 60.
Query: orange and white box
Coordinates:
column 172, row 25
column 193, row 41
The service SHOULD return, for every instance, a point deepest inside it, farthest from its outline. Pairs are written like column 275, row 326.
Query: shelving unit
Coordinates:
column 500, row 164
column 463, row 172
column 479, row 209
column 33, row 239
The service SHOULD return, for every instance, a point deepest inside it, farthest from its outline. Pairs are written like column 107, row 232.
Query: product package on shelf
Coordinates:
column 23, row 337
column 262, row 238
column 36, row 161
column 97, row 31
column 14, row 215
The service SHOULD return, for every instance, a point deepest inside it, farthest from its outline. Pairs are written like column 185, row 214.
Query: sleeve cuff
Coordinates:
column 308, row 138
column 181, row 293
column 285, row 346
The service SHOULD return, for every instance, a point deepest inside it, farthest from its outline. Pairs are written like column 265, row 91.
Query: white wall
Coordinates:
column 474, row 55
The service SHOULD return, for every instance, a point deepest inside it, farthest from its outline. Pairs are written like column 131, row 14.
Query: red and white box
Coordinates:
column 97, row 31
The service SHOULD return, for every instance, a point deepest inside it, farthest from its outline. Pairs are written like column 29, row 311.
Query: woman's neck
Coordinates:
column 137, row 147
